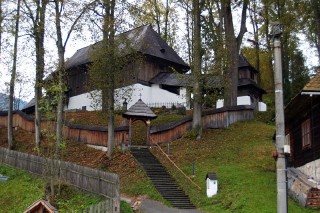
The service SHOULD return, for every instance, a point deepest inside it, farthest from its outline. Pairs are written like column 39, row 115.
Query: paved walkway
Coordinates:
column 151, row 206
column 146, row 205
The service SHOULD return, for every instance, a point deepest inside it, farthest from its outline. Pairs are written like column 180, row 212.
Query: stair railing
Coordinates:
column 175, row 165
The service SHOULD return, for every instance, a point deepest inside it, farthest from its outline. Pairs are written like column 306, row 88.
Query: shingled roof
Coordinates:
column 301, row 101
column 171, row 79
column 142, row 39
column 139, row 110
column 313, row 85
column 243, row 62
column 184, row 80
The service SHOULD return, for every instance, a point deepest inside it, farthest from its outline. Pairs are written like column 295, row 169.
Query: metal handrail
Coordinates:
column 171, row 161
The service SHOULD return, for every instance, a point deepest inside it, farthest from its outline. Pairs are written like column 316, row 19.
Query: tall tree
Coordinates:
column 286, row 13
column 108, row 37
column 316, row 21
column 186, row 5
column 310, row 22
column 161, row 16
column 38, row 32
column 253, row 14
column 59, row 6
column 105, row 65
column 13, row 78
column 232, row 45
column 267, row 21
column 299, row 72
column 196, row 71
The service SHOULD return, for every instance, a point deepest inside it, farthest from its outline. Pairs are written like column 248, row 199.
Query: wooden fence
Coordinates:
column 90, row 180
column 216, row 118
column 94, row 135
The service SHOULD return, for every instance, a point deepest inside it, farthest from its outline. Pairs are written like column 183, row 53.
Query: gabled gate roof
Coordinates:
column 139, row 110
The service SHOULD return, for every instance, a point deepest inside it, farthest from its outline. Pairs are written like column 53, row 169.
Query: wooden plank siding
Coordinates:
column 170, row 132
column 217, row 118
column 300, row 155
column 85, row 134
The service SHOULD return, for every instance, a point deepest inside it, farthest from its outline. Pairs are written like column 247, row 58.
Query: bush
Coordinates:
column 125, row 207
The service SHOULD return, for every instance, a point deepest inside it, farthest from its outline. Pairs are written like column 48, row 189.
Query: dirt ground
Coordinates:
column 75, row 152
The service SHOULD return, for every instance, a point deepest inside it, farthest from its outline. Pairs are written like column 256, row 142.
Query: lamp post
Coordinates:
column 282, row 199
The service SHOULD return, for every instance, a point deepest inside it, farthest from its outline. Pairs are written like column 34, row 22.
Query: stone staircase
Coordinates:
column 161, row 179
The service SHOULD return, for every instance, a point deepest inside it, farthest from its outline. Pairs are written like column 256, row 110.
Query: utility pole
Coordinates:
column 282, row 198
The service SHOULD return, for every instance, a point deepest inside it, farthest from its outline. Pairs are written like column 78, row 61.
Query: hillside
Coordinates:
column 240, row 155
column 241, row 158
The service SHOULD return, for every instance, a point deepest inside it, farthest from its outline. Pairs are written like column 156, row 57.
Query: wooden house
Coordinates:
column 158, row 76
column 153, row 75
column 302, row 122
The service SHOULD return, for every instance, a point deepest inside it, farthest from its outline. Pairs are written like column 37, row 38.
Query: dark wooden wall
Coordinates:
column 141, row 69
column 245, row 72
column 300, row 156
column 77, row 81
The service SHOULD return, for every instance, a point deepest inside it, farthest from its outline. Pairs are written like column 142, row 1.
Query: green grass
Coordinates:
column 125, row 207
column 22, row 189
column 241, row 157
column 166, row 118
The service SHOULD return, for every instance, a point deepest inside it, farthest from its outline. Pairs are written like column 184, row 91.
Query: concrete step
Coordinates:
column 161, row 179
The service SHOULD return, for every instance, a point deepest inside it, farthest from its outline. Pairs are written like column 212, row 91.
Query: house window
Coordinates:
column 306, row 133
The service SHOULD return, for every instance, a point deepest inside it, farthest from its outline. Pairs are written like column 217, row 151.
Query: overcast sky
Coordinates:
column 26, row 66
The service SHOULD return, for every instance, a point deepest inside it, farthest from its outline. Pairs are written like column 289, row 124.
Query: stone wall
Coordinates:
column 312, row 170
column 302, row 189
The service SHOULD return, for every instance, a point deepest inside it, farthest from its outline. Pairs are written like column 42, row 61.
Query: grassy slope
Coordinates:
column 241, row 157
column 22, row 189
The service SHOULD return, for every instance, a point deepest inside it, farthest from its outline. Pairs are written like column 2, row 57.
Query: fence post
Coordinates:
column 116, row 200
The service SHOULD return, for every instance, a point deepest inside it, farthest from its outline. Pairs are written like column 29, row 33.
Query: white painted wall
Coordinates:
column 79, row 101
column 153, row 94
column 243, row 100
column 262, row 107
column 312, row 170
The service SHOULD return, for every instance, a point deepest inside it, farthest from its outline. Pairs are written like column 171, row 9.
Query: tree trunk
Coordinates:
column 233, row 46
column 39, row 29
column 13, row 78
column 232, row 57
column 108, row 36
column 61, row 78
column 196, row 72
column 111, row 120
